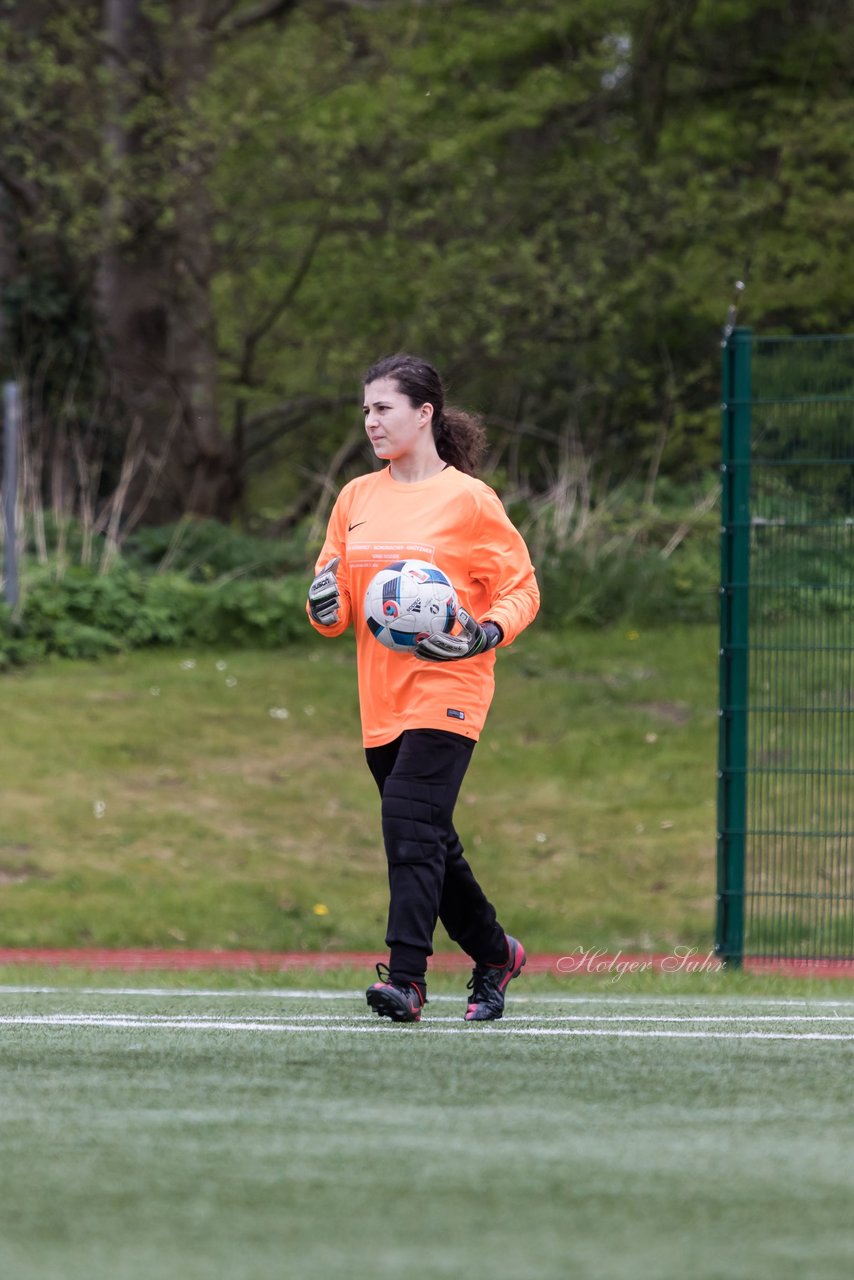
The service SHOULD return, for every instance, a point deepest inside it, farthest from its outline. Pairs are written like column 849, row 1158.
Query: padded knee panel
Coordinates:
column 415, row 824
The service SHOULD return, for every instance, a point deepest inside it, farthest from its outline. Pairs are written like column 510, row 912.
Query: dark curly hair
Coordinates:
column 460, row 436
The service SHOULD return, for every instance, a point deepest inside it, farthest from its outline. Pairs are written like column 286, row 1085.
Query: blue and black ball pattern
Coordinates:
column 394, row 606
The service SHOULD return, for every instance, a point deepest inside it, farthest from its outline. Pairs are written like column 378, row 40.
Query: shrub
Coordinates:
column 204, row 550
column 598, row 586
column 86, row 615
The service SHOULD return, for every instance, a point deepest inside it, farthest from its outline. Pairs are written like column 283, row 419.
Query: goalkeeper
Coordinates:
column 421, row 717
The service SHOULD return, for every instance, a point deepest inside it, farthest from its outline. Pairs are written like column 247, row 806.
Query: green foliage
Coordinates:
column 262, row 614
column 552, row 201
column 553, row 204
column 203, row 583
column 629, row 583
column 203, row 550
column 619, row 556
column 86, row 615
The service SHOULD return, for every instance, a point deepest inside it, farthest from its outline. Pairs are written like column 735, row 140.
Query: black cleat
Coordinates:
column 489, row 982
column 388, row 1000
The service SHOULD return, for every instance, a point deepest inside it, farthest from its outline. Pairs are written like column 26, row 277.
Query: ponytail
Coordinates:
column 460, row 439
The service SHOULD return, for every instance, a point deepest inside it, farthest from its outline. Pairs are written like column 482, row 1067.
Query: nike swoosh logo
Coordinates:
column 350, row 527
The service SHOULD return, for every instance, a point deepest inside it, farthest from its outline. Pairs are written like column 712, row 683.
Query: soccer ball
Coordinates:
column 408, row 601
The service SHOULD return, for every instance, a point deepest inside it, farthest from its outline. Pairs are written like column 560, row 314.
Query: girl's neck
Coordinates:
column 412, row 470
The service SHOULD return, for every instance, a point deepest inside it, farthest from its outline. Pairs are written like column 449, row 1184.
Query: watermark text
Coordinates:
column 617, row 965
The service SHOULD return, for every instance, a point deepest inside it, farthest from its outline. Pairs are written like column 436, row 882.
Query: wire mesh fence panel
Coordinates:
column 786, row 798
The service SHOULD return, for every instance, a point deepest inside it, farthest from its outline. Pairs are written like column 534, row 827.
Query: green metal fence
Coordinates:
column 786, row 772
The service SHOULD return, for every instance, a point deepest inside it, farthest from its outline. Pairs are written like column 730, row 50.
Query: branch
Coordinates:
column 24, row 193
column 270, row 9
column 115, row 52
column 513, row 427
column 286, row 417
column 325, row 482
column 261, row 13
column 700, row 509
column 265, row 324
column 218, row 13
column 156, row 465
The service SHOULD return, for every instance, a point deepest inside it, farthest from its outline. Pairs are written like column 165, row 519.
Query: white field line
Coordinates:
column 277, row 993
column 293, row 993
column 159, row 1019
column 158, row 1022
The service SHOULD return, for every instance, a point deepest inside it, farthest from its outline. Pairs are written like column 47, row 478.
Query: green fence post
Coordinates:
column 734, row 596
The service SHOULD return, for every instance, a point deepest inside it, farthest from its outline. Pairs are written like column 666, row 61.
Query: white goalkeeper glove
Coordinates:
column 476, row 638
column 323, row 598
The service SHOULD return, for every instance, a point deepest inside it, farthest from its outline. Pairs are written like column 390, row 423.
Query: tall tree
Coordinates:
column 103, row 113
column 156, row 269
column 551, row 200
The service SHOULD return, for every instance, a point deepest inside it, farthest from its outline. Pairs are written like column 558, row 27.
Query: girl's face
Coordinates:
column 394, row 427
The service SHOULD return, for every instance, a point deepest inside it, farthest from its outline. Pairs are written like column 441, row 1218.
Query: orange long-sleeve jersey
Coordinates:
column 458, row 523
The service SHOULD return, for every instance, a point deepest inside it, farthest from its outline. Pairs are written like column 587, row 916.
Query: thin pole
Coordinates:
column 11, row 432
column 734, row 595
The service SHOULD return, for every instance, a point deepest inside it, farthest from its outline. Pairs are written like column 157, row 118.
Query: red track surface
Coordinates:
column 130, row 959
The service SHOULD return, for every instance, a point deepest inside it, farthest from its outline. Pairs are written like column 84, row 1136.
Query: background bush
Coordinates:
column 623, row 559
column 84, row 614
column 628, row 583
column 204, row 550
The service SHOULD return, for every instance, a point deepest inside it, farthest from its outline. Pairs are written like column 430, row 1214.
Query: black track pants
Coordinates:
column 419, row 777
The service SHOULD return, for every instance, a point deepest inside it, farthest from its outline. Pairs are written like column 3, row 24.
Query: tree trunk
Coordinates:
column 154, row 275
column 8, row 262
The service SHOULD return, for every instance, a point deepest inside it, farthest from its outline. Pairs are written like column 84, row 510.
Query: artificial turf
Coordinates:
column 150, row 1132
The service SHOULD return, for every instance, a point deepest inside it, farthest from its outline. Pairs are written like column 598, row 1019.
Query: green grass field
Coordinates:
column 216, row 800
column 222, row 1127
column 641, row 1130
